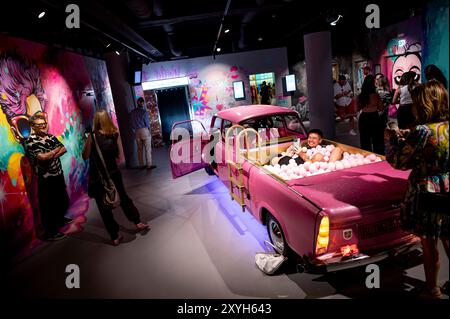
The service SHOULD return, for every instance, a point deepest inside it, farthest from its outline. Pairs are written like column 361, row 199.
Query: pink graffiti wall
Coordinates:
column 398, row 49
column 211, row 81
column 69, row 88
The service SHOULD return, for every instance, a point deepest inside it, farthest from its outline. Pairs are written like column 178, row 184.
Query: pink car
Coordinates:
column 333, row 220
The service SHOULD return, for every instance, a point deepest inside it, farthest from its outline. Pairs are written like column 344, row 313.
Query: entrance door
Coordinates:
column 173, row 107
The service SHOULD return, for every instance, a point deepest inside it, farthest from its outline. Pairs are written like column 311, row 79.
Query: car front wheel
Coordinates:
column 276, row 235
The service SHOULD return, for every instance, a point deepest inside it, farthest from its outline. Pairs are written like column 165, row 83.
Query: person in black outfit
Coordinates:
column 265, row 93
column 44, row 151
column 106, row 137
column 371, row 125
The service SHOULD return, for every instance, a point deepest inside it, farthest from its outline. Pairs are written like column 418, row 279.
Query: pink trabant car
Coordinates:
column 333, row 221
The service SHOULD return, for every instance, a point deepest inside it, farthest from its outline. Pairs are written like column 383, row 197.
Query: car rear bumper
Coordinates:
column 341, row 263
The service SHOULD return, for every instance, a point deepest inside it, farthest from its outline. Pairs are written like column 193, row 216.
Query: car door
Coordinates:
column 188, row 139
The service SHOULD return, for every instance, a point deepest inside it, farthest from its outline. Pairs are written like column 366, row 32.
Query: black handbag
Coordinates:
column 434, row 202
column 110, row 196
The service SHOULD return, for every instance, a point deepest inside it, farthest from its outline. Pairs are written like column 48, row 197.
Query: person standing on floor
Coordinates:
column 44, row 151
column 371, row 126
column 106, row 135
column 345, row 105
column 405, row 116
column 140, row 124
column 424, row 150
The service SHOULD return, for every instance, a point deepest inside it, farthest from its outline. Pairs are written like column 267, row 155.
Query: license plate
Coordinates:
column 382, row 227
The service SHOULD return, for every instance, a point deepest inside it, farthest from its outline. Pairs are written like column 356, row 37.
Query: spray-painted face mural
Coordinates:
column 21, row 93
column 407, row 59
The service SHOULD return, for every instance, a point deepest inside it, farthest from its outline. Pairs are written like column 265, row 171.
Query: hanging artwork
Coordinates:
column 155, row 121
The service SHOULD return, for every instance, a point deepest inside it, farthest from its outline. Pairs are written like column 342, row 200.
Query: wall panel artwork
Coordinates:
column 398, row 49
column 69, row 88
column 211, row 81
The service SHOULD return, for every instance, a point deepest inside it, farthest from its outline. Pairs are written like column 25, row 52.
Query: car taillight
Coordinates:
column 323, row 236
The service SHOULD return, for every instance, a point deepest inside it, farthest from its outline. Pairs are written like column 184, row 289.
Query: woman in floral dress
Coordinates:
column 425, row 150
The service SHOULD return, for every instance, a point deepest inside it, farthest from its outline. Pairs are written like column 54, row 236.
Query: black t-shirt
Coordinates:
column 110, row 151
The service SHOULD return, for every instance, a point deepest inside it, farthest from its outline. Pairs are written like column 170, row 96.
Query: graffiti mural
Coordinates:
column 403, row 57
column 33, row 78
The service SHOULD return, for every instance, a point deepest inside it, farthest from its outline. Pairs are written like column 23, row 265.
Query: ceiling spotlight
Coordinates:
column 333, row 23
column 227, row 30
column 41, row 15
column 260, row 39
column 218, row 49
column 108, row 45
column 117, row 52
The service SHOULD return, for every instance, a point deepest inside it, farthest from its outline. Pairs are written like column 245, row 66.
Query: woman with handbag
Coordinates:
column 105, row 179
column 424, row 149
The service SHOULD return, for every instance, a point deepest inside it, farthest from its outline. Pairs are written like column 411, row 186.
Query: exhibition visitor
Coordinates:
column 44, row 151
column 405, row 117
column 102, row 166
column 345, row 105
column 371, row 126
column 432, row 72
column 299, row 154
column 425, row 150
column 140, row 124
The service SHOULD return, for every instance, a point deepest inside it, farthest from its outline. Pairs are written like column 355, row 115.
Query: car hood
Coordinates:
column 351, row 192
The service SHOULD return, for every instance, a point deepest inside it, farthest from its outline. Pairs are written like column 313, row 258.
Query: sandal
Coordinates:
column 434, row 293
column 142, row 226
column 117, row 241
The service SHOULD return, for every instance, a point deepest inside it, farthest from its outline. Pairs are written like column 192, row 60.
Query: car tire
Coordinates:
column 276, row 235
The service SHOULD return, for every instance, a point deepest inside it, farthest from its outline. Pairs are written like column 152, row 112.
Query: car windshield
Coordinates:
column 277, row 126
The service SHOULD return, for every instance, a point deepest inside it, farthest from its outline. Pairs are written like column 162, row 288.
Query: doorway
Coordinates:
column 173, row 107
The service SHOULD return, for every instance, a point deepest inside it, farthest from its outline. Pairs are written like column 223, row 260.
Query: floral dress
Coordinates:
column 426, row 152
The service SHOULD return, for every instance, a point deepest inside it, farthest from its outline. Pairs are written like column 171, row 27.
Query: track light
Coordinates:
column 108, row 45
column 333, row 23
column 117, row 52
column 227, row 30
column 41, row 15
column 218, row 49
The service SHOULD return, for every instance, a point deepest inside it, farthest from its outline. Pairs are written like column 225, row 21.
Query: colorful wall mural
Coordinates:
column 210, row 81
column 398, row 49
column 69, row 88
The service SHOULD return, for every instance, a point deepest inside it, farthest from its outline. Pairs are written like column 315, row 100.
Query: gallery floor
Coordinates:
column 200, row 246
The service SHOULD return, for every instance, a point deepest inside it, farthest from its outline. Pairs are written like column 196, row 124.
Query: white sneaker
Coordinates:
column 353, row 132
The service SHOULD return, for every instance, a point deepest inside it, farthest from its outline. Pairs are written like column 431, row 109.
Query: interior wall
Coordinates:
column 435, row 35
column 69, row 88
column 210, row 81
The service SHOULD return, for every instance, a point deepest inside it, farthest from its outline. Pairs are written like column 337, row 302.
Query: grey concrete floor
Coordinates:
column 200, row 246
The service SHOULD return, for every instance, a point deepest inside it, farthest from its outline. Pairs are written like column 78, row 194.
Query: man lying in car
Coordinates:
column 300, row 154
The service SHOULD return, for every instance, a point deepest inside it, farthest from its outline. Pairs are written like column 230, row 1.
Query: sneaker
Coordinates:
column 55, row 237
column 353, row 132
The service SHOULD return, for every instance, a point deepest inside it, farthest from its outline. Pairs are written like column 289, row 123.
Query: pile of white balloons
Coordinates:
column 294, row 171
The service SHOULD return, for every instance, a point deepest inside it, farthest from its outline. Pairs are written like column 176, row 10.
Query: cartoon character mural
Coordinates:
column 403, row 57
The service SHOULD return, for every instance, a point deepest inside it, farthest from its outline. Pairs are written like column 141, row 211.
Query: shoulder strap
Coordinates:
column 100, row 155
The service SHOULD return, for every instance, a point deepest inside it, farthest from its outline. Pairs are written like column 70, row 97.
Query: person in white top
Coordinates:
column 345, row 105
column 405, row 116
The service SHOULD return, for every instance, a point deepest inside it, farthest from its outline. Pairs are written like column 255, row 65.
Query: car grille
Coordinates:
column 384, row 226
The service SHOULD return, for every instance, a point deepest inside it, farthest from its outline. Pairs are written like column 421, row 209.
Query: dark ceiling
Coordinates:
column 174, row 29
